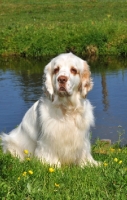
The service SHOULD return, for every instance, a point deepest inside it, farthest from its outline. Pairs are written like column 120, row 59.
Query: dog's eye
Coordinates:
column 56, row 70
column 73, row 71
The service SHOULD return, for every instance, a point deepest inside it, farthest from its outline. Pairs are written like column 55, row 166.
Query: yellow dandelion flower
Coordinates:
column 119, row 150
column 105, row 164
column 30, row 172
column 116, row 159
column 51, row 169
column 57, row 185
column 24, row 173
column 28, row 158
column 112, row 149
column 26, row 151
column 19, row 178
column 120, row 162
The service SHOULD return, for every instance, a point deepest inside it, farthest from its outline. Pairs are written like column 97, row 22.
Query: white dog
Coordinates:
column 56, row 128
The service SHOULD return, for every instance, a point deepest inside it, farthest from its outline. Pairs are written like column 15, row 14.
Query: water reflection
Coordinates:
column 109, row 96
column 21, row 82
column 104, row 92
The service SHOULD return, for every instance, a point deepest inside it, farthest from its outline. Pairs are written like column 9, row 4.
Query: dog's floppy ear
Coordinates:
column 47, row 81
column 86, row 80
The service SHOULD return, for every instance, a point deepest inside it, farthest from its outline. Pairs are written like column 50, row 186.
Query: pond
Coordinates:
column 21, row 83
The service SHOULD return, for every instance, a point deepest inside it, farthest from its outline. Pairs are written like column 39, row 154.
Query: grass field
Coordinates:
column 48, row 27
column 30, row 180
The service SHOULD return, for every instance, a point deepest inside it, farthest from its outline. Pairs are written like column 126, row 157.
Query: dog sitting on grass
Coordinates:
column 56, row 128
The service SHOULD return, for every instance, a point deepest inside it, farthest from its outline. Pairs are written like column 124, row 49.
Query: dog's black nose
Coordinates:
column 62, row 79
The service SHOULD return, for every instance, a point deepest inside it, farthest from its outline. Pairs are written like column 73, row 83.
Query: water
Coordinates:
column 21, row 82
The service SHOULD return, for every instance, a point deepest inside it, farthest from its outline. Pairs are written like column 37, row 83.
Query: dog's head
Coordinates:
column 66, row 74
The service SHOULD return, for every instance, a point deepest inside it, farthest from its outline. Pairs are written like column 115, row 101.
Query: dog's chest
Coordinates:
column 62, row 128
column 62, row 133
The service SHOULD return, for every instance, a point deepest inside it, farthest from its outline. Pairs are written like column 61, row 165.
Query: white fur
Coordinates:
column 56, row 128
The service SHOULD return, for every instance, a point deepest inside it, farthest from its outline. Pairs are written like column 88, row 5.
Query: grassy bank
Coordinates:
column 31, row 180
column 36, row 28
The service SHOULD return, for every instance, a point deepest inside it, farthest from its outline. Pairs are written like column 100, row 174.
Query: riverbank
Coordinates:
column 39, row 28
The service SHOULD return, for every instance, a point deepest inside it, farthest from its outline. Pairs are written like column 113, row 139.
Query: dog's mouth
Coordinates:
column 62, row 89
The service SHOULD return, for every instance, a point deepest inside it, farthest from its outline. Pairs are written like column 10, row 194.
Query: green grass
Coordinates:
column 48, row 27
column 109, row 181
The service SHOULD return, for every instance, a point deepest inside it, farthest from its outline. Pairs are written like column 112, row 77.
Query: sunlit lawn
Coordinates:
column 32, row 180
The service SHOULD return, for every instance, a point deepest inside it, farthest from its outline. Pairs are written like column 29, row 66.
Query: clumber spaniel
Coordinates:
column 56, row 128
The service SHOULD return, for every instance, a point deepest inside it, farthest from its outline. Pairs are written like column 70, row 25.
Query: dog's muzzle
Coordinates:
column 62, row 80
